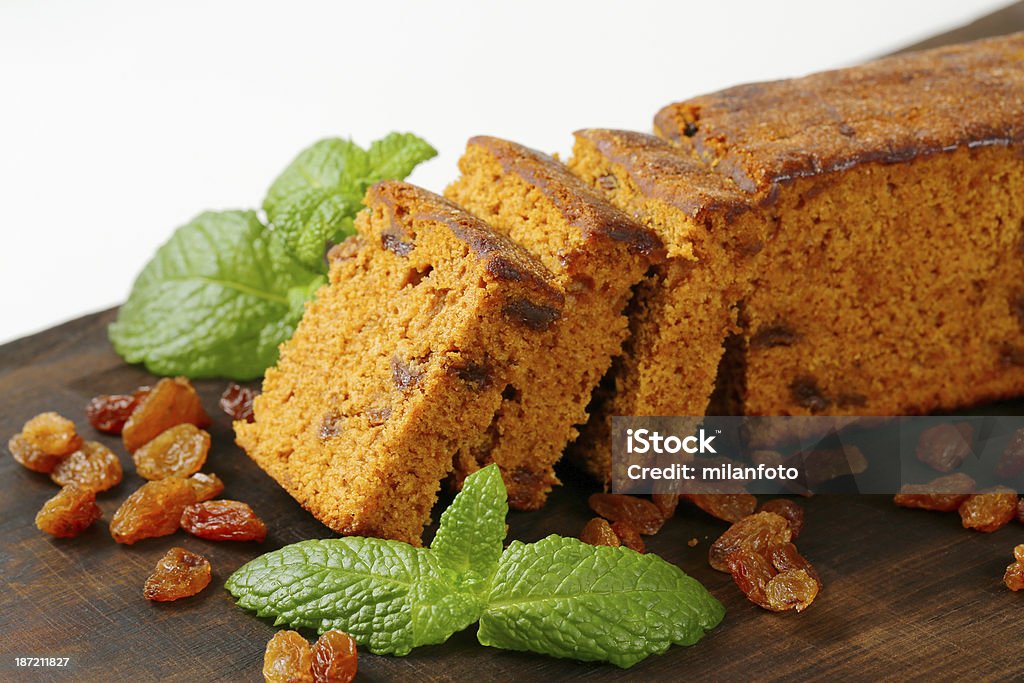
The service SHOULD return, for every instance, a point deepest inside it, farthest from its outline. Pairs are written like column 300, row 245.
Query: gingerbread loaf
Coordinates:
column 400, row 362
column 597, row 254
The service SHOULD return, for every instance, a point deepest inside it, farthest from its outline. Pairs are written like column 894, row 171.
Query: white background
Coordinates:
column 121, row 120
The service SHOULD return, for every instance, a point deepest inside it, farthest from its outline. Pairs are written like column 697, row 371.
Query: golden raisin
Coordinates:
column 792, row 512
column 944, row 447
column 171, row 402
column 944, row 494
column 223, row 520
column 629, row 535
column 30, row 457
column 52, row 434
column 236, row 401
column 93, row 466
column 599, row 532
column 206, row 486
column 154, row 510
column 288, row 659
column 1018, row 553
column 1011, row 462
column 760, row 531
column 751, row 571
column 335, row 658
column 667, row 503
column 641, row 513
column 109, row 412
column 990, row 509
column 791, row 589
column 1014, row 576
column 785, row 557
column 731, row 507
column 179, row 451
column 179, row 574
column 69, row 513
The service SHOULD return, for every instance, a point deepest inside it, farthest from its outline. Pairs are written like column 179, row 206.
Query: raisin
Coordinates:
column 154, row 510
column 335, row 658
column 751, row 571
column 179, row 574
column 944, row 447
column 52, row 434
column 760, row 531
column 1014, row 576
column 787, row 509
column 176, row 452
column 730, row 507
column 629, row 535
column 288, row 659
column 791, row 589
column 944, row 494
column 30, row 457
column 1011, row 462
column 206, row 486
column 69, row 513
column 599, row 532
column 1020, row 510
column 93, row 466
column 666, row 502
column 990, row 509
column 236, row 401
column 641, row 513
column 171, row 402
column 108, row 413
column 223, row 520
column 806, row 393
column 785, row 557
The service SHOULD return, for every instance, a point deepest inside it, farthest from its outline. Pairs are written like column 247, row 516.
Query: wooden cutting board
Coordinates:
column 908, row 594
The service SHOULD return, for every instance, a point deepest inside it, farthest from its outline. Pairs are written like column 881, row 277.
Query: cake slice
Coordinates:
column 895, row 282
column 399, row 363
column 685, row 309
column 597, row 254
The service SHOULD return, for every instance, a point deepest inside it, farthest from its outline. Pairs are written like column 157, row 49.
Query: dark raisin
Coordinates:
column 476, row 375
column 223, row 520
column 776, row 334
column 806, row 393
column 236, row 401
column 689, row 129
column 108, row 413
column 531, row 315
column 629, row 535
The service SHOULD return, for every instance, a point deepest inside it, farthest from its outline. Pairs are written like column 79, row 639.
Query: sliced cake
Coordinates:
column 401, row 362
column 895, row 283
column 684, row 310
column 597, row 254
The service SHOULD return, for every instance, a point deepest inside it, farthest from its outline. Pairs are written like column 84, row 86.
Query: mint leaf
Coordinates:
column 394, row 156
column 472, row 530
column 216, row 300
column 314, row 200
column 389, row 596
column 565, row 598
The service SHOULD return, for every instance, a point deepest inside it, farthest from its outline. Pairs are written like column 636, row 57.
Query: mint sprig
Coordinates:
column 312, row 203
column 217, row 299
column 220, row 296
column 558, row 596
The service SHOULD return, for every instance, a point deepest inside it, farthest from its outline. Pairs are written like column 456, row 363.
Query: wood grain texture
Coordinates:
column 908, row 594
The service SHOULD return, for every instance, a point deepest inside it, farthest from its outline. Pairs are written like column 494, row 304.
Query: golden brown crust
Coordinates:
column 580, row 205
column 763, row 134
column 660, row 171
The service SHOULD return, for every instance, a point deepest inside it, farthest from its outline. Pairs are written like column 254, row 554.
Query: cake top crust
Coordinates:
column 763, row 134
column 582, row 207
column 661, row 171
column 409, row 207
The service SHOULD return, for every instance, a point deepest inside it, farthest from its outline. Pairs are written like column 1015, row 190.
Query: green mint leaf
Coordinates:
column 565, row 598
column 215, row 301
column 390, row 596
column 394, row 156
column 314, row 199
column 472, row 530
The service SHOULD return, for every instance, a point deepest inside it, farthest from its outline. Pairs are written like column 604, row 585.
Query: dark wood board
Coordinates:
column 907, row 594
